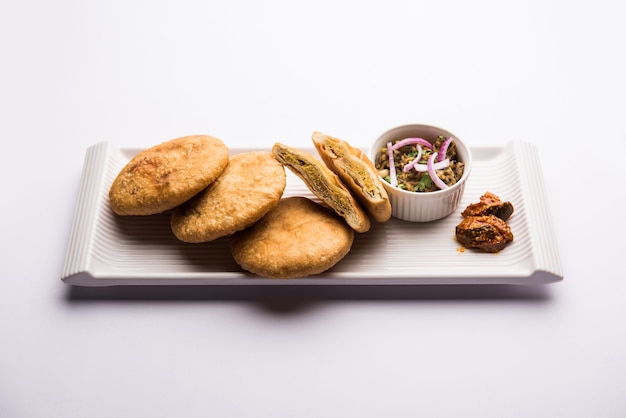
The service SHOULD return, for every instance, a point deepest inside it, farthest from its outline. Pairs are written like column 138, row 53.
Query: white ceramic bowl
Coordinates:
column 424, row 206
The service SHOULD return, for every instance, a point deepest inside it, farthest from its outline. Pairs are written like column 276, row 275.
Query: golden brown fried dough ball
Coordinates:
column 166, row 175
column 297, row 238
column 250, row 186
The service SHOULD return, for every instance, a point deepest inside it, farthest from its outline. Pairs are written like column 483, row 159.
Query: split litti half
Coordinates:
column 325, row 184
column 357, row 172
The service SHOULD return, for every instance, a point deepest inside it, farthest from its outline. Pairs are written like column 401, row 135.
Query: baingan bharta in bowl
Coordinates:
column 430, row 169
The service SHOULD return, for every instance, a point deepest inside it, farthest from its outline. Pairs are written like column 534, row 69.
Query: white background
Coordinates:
column 252, row 73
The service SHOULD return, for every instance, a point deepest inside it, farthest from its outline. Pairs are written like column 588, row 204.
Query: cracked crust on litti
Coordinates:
column 297, row 238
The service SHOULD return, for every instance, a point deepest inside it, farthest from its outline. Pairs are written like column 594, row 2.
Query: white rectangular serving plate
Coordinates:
column 106, row 250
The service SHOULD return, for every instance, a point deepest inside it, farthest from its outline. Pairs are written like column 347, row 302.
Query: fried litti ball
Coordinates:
column 297, row 238
column 166, row 175
column 250, row 186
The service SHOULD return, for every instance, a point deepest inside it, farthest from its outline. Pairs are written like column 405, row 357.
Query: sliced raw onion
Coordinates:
column 410, row 165
column 433, row 175
column 410, row 141
column 437, row 166
column 393, row 180
column 444, row 149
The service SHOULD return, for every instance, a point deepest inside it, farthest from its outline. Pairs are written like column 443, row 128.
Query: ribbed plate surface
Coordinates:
column 105, row 249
